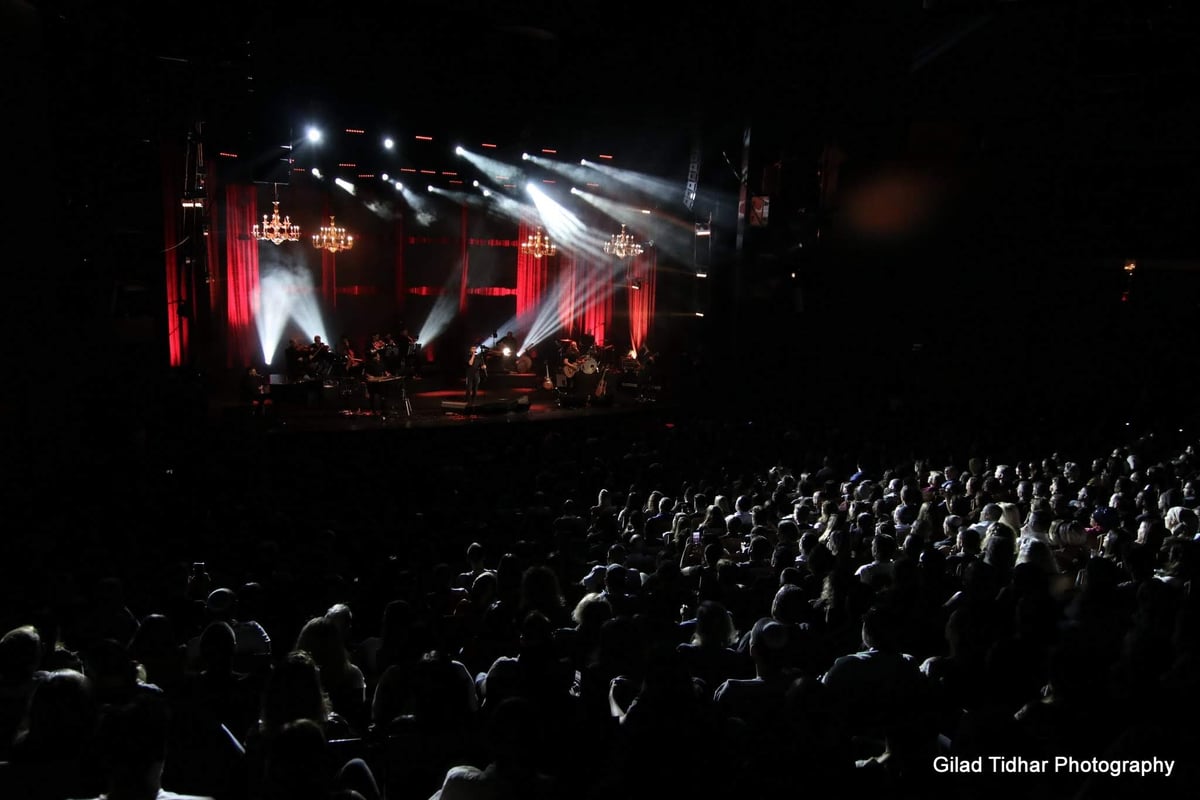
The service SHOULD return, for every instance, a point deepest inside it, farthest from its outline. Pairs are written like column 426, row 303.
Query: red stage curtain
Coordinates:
column 178, row 292
column 533, row 278
column 643, row 271
column 594, row 297
column 401, row 289
column 241, row 276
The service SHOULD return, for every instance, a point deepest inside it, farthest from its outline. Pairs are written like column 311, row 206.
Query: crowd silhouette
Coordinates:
column 619, row 607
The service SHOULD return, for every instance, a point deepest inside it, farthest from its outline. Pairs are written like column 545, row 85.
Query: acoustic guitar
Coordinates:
column 569, row 369
column 602, row 387
column 548, row 384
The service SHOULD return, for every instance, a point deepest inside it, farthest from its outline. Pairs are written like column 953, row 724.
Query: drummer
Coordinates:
column 507, row 348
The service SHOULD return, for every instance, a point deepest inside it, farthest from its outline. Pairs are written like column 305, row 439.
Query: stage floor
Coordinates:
column 439, row 399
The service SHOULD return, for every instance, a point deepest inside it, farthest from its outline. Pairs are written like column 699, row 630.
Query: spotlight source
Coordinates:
column 314, row 135
column 458, row 151
column 388, row 143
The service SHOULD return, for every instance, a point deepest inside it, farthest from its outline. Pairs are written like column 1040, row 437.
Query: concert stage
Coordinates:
column 439, row 398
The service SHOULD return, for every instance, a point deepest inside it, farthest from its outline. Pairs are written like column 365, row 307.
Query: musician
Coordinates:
column 476, row 369
column 392, row 357
column 410, row 354
column 295, row 359
column 375, row 378
column 507, row 347
column 570, row 365
column 350, row 359
column 256, row 392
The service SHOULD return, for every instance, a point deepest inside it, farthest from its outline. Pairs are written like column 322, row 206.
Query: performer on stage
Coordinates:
column 255, row 392
column 569, row 364
column 376, row 378
column 507, row 347
column 476, row 369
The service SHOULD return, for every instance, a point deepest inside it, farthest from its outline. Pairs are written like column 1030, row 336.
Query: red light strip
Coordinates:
column 348, row 165
column 354, row 130
column 407, row 169
column 449, row 173
column 603, row 155
column 487, row 144
column 549, row 151
column 423, row 138
column 228, row 155
column 429, row 172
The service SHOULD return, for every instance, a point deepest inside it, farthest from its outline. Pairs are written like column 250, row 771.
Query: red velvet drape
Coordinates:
column 644, row 272
column 241, row 276
column 593, row 297
column 533, row 279
column 178, row 293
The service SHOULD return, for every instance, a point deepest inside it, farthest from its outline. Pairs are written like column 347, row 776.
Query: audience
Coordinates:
column 737, row 612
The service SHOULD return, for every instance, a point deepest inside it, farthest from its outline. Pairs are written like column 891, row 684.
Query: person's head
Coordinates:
column 132, row 738
column 217, row 646
column 883, row 547
column 62, row 710
column 951, row 525
column 714, row 625
column 295, row 765
column 293, row 691
column 540, row 589
column 1181, row 521
column 969, row 541
column 790, row 605
column 769, row 640
column 221, row 604
column 879, row 629
column 20, row 654
column 1038, row 523
column 592, row 611
column 1037, row 553
column 322, row 640
column 342, row 618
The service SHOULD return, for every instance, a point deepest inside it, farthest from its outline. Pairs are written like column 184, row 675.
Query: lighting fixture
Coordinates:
column 538, row 244
column 276, row 230
column 333, row 238
column 622, row 245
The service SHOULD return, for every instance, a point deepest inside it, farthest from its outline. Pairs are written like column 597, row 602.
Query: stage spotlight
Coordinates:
column 399, row 186
column 475, row 184
column 583, row 162
column 487, row 193
column 388, row 143
column 384, row 176
column 429, row 188
column 524, row 156
column 345, row 185
column 314, row 135
column 458, row 151
column 316, row 173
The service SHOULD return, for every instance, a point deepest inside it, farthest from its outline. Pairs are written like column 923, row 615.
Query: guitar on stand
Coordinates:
column 602, row 387
column 548, row 384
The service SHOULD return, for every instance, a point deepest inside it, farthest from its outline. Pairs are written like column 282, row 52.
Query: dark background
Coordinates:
column 996, row 164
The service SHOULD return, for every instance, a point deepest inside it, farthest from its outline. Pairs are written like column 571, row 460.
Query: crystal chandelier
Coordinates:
column 332, row 238
column 622, row 245
column 275, row 230
column 538, row 245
